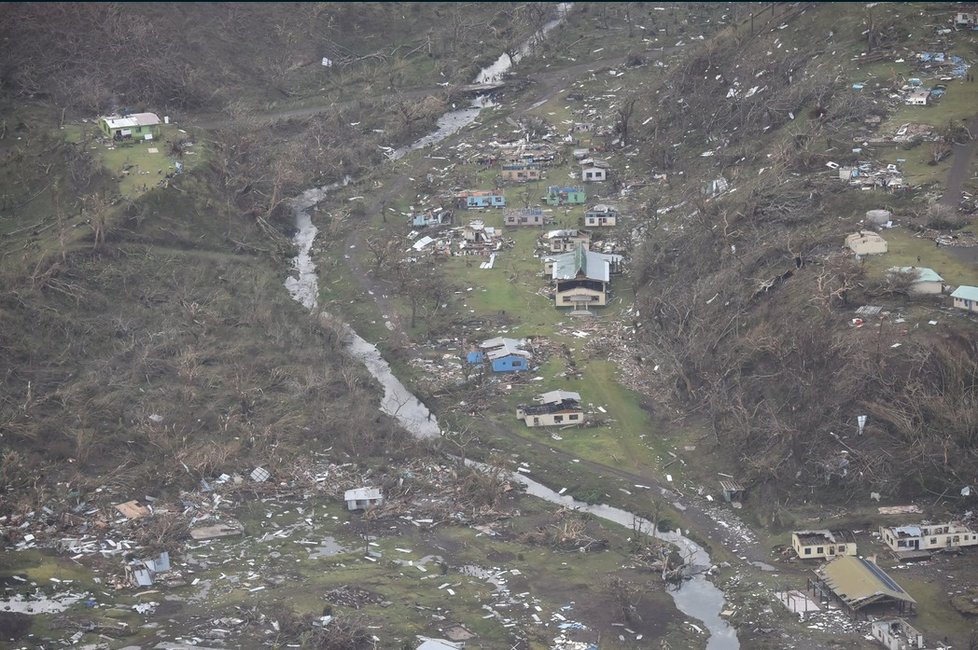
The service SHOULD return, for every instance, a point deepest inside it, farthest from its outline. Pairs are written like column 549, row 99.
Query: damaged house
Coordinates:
column 524, row 217
column 601, row 215
column 866, row 242
column 561, row 241
column 479, row 239
column 503, row 355
column 521, row 172
column 823, row 544
column 363, row 498
column 923, row 280
column 565, row 196
column 934, row 537
column 433, row 217
column 554, row 408
column 581, row 278
column 859, row 583
column 475, row 199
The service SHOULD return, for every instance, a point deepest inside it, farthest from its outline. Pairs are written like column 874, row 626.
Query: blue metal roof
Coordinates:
column 965, row 292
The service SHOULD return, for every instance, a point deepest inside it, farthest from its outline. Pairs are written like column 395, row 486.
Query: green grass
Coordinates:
column 135, row 166
column 905, row 248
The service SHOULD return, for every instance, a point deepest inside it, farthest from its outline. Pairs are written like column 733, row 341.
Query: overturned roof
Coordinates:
column 595, row 266
column 136, row 119
column 859, row 582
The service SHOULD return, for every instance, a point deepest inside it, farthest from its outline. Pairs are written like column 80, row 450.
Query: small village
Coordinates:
column 501, row 277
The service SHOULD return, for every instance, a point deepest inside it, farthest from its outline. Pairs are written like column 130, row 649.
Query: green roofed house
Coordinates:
column 926, row 281
column 582, row 278
column 135, row 126
column 858, row 583
column 966, row 298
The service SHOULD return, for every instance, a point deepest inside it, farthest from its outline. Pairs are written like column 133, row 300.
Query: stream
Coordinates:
column 696, row 597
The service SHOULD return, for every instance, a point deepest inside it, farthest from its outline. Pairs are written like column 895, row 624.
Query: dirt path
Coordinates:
column 960, row 168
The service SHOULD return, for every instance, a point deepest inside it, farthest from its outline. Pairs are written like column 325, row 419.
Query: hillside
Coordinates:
column 160, row 384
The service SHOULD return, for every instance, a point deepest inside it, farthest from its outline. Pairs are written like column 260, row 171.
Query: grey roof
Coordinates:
column 595, row 266
column 557, row 396
column 505, row 350
column 135, row 119
column 923, row 274
column 500, row 341
column 359, row 494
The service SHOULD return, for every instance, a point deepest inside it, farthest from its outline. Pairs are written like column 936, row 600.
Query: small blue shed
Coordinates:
column 513, row 362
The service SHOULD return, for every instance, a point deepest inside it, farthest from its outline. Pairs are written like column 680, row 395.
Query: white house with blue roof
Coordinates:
column 965, row 297
column 925, row 280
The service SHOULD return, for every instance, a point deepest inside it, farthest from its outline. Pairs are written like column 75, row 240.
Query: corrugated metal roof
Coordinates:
column 859, row 582
column 360, row 494
column 500, row 341
column 557, row 396
column 136, row 119
column 595, row 266
column 966, row 292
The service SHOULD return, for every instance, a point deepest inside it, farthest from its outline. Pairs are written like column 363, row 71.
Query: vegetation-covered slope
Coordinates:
column 748, row 296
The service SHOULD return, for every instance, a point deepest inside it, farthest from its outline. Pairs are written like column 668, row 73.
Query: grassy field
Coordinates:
column 905, row 248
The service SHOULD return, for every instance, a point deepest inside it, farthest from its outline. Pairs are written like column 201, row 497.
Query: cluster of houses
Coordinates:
column 923, row 280
column 861, row 586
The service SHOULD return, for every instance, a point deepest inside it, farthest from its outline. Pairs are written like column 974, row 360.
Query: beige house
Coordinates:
column 966, row 298
column 600, row 215
column 582, row 278
column 554, row 408
column 521, row 173
column 934, row 537
column 823, row 544
column 866, row 242
column 561, row 241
